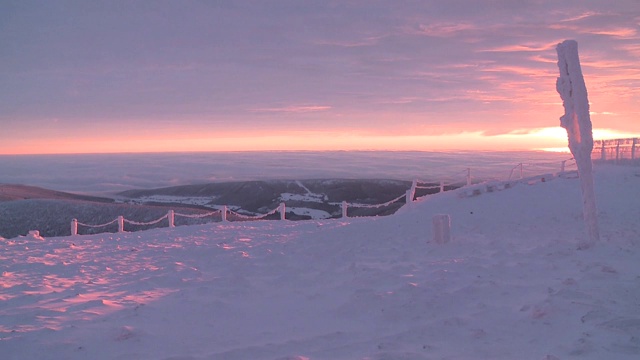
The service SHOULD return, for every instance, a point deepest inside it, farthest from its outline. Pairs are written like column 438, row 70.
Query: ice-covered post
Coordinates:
column 563, row 165
column 344, row 209
column 171, row 217
column 441, row 185
column 223, row 213
column 468, row 176
column 414, row 185
column 283, row 211
column 520, row 165
column 573, row 91
column 120, row 223
column 74, row 227
column 633, row 148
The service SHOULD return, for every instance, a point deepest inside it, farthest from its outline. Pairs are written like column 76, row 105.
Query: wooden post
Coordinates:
column 520, row 170
column 120, row 223
column 283, row 211
column 603, row 154
column 414, row 185
column 171, row 217
column 633, row 148
column 441, row 228
column 223, row 213
column 344, row 209
column 617, row 150
column 74, row 227
column 576, row 120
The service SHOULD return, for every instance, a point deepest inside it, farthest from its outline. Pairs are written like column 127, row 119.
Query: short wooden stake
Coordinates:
column 441, row 229
column 171, row 217
column 120, row 223
column 74, row 227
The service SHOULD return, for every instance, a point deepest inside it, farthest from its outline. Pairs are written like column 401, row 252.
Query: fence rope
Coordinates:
column 97, row 226
column 368, row 206
column 430, row 187
column 145, row 223
column 197, row 216
column 257, row 217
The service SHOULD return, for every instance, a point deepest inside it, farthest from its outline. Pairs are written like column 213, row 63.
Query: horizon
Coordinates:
column 283, row 76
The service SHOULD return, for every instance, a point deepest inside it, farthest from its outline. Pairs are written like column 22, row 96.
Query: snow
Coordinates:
column 511, row 284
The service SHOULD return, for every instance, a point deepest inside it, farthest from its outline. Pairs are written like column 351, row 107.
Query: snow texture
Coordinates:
column 511, row 284
column 576, row 120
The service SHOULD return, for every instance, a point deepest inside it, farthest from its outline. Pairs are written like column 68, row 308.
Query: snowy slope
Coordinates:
column 510, row 285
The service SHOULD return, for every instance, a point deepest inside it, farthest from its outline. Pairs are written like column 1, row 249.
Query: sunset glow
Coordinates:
column 255, row 76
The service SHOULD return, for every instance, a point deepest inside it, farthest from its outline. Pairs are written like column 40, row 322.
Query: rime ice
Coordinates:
column 573, row 91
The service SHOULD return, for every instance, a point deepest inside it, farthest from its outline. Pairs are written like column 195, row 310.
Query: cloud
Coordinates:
column 605, row 29
column 522, row 48
column 369, row 41
column 292, row 109
column 582, row 16
column 443, row 29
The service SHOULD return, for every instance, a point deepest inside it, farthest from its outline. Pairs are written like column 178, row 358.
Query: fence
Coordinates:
column 521, row 172
column 616, row 150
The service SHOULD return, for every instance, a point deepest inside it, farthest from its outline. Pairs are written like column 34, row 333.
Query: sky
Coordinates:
column 151, row 76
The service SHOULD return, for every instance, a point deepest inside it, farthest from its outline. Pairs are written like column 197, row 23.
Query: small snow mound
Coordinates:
column 34, row 234
column 125, row 333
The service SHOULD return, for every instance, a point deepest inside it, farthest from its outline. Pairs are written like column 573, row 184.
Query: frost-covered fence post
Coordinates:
column 618, row 151
column 563, row 165
column 411, row 192
column 603, row 154
column 633, row 148
column 120, row 223
column 344, row 209
column 223, row 213
column 283, row 211
column 414, row 185
column 171, row 217
column 74, row 227
column 441, row 185
column 520, row 165
column 468, row 176
column 573, row 91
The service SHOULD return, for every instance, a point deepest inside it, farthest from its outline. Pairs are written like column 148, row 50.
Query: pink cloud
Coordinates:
column 444, row 29
column 618, row 32
column 523, row 48
column 293, row 109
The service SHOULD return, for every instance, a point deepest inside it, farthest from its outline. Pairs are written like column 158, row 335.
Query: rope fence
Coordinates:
column 463, row 179
column 616, row 150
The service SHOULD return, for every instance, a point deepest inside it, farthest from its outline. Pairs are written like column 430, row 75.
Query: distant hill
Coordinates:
column 24, row 208
column 302, row 196
column 11, row 192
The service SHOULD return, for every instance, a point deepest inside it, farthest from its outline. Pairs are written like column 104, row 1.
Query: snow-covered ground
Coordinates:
column 510, row 285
